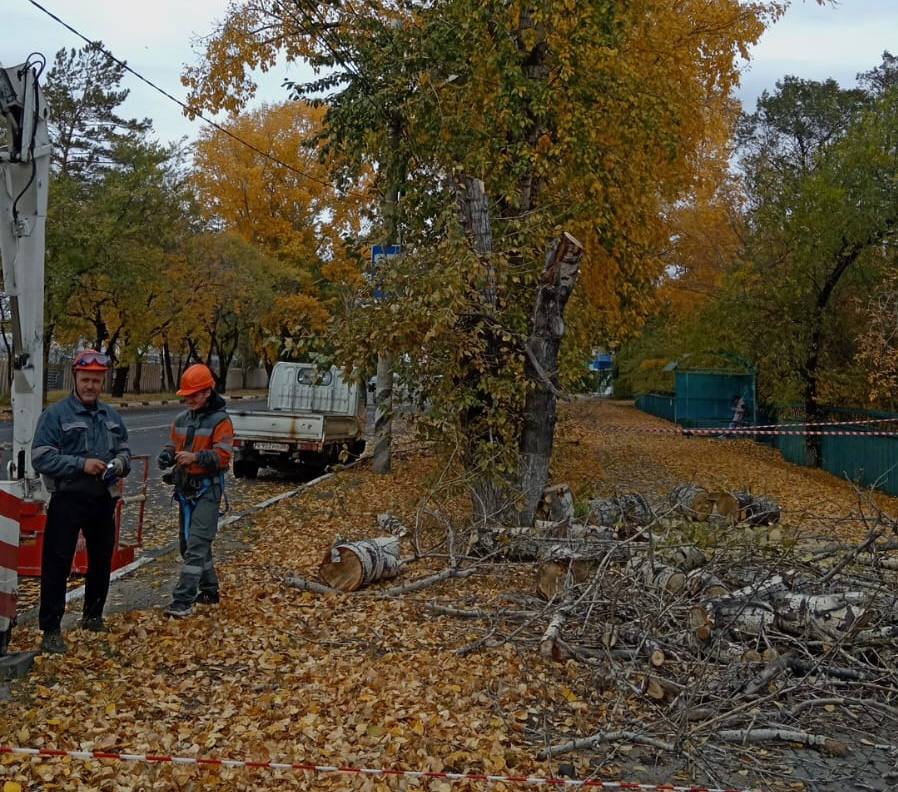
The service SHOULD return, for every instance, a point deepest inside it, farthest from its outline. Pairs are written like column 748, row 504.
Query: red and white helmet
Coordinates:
column 90, row 360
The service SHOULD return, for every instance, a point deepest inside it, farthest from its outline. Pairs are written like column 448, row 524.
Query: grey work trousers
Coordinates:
column 198, row 570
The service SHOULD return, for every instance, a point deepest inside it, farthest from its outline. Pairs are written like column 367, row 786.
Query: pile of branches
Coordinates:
column 726, row 644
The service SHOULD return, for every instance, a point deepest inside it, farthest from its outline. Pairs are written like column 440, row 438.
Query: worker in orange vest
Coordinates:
column 199, row 451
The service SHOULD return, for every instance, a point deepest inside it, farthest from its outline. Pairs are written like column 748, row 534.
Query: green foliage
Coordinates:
column 117, row 208
column 83, row 94
column 820, row 196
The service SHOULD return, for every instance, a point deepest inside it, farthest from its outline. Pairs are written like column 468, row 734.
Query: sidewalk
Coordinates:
column 131, row 401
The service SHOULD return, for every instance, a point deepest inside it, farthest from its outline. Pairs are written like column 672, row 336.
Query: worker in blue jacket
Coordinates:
column 81, row 449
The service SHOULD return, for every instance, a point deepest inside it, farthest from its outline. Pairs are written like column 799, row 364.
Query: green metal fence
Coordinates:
column 867, row 461
column 703, row 398
column 659, row 404
column 708, row 398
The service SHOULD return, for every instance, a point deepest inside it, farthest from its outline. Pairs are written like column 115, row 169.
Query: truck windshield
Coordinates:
column 308, row 376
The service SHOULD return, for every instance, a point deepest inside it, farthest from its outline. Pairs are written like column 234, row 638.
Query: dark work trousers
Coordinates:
column 198, row 571
column 69, row 513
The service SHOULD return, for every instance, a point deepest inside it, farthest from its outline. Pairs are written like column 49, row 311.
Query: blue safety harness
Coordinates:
column 188, row 503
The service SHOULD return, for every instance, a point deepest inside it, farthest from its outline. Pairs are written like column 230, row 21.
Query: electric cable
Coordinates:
column 23, row 75
column 191, row 110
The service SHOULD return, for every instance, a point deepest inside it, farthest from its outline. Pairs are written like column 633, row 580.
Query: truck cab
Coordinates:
column 314, row 418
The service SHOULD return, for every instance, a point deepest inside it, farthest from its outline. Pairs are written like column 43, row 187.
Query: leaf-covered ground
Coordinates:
column 356, row 679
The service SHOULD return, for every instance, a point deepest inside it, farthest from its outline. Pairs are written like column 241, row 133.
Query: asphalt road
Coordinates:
column 148, row 429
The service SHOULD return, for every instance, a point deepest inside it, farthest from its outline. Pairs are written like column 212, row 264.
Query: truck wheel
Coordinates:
column 251, row 470
column 245, row 468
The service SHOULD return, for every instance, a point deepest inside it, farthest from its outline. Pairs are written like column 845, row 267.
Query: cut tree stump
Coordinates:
column 756, row 510
column 554, row 577
column 621, row 510
column 556, row 504
column 690, row 501
column 706, row 584
column 349, row 566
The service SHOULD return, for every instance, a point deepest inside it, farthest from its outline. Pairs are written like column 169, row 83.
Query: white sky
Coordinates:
column 154, row 36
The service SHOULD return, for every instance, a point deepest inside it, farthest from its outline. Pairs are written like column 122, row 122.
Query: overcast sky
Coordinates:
column 155, row 38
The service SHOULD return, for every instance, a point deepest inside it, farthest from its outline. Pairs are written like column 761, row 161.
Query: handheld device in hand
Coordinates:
column 109, row 476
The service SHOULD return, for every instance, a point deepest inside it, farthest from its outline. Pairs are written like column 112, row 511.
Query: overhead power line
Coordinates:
column 192, row 110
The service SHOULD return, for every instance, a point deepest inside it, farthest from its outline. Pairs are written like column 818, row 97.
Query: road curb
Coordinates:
column 136, row 405
column 6, row 413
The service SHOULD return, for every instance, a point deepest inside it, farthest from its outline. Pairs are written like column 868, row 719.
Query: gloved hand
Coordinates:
column 166, row 459
column 118, row 467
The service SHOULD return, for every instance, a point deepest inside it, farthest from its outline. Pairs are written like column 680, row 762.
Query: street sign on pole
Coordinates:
column 379, row 255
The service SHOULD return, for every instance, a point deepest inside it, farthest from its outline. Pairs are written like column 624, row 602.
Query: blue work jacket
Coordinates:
column 69, row 432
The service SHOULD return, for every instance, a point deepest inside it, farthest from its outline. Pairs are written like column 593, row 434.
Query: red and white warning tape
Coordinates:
column 360, row 771
column 826, row 423
column 723, row 432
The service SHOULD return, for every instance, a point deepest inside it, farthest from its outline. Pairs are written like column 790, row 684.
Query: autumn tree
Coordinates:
column 878, row 344
column 823, row 223
column 133, row 217
column 219, row 286
column 291, row 212
column 83, row 93
column 590, row 118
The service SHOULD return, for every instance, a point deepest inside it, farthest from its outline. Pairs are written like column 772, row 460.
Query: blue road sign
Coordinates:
column 379, row 255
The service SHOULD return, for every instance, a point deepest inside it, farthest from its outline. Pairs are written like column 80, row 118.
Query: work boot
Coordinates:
column 94, row 624
column 53, row 643
column 207, row 598
column 179, row 611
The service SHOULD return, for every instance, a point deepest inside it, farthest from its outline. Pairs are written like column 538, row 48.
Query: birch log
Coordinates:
column 351, row 565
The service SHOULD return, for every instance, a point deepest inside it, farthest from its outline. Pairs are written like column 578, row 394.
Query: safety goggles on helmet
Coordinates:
column 90, row 359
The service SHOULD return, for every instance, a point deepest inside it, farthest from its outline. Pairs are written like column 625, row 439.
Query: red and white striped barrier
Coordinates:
column 359, row 771
column 826, row 423
column 753, row 430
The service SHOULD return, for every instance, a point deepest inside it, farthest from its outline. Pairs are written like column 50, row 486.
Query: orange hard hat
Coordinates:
column 195, row 379
column 90, row 360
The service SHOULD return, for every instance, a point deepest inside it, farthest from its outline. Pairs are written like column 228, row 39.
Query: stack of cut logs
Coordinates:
column 711, row 633
column 737, row 643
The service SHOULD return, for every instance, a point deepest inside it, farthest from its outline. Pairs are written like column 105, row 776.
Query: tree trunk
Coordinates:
column 138, row 373
column 167, row 374
column 811, row 373
column 383, row 414
column 120, row 381
column 395, row 169
column 492, row 500
column 541, row 368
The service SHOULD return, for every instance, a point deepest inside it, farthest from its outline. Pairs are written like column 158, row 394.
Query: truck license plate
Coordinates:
column 271, row 446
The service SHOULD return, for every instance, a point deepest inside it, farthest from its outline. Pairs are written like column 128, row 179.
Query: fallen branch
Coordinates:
column 296, row 581
column 849, row 557
column 550, row 636
column 605, row 737
column 430, row 580
column 479, row 613
column 745, row 736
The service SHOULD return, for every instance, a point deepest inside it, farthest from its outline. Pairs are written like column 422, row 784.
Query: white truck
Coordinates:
column 314, row 419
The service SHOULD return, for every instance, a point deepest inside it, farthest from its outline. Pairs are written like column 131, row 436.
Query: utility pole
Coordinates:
column 383, row 411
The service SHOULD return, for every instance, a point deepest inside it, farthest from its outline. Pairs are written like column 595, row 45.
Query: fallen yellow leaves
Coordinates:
column 273, row 673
